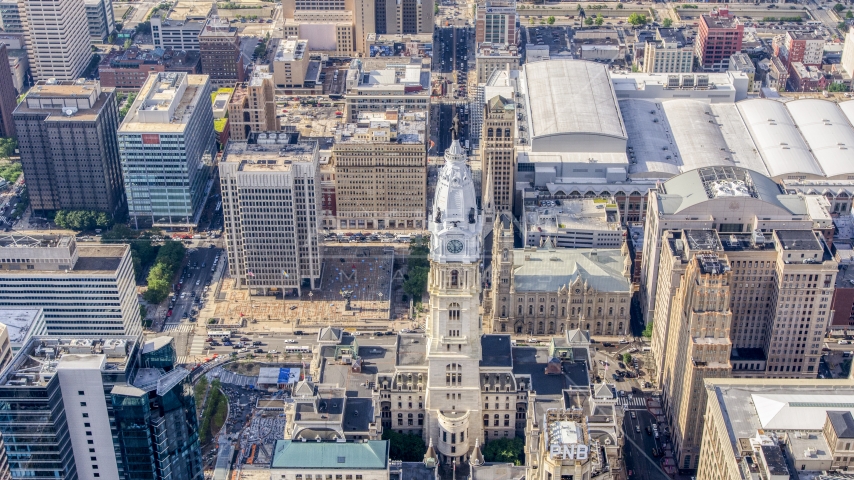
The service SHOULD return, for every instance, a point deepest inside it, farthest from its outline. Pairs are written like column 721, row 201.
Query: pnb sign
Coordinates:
column 569, row 452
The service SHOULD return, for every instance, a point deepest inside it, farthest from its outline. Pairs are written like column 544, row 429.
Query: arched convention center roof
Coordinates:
column 777, row 137
column 569, row 97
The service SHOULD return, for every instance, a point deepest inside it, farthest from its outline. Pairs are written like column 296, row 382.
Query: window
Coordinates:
column 90, row 442
column 85, row 415
column 87, row 424
column 455, row 278
column 80, row 392
column 454, row 311
column 82, row 404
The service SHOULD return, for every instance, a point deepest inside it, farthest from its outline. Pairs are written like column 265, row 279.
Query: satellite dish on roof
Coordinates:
column 69, row 111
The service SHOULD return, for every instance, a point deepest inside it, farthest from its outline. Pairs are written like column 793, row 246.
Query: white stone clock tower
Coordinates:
column 453, row 329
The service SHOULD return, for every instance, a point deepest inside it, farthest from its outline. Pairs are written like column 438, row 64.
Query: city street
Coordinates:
column 638, row 449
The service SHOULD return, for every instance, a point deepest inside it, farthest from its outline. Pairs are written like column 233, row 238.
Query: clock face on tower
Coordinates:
column 455, row 246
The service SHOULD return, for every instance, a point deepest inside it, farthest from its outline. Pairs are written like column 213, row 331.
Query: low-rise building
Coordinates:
column 573, row 223
column 494, row 56
column 547, row 291
column 668, row 53
column 399, row 45
column 299, row 459
column 778, row 75
column 741, row 62
column 19, row 325
column 805, row 78
column 599, row 44
column 129, row 69
column 290, row 64
column 774, row 428
column 383, row 83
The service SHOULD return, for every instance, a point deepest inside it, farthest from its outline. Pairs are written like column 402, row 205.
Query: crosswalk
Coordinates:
column 230, row 377
column 179, row 327
column 198, row 345
column 633, row 402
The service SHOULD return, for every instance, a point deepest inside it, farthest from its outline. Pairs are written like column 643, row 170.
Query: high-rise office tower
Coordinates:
column 94, row 409
column 730, row 199
column 271, row 203
column 8, row 98
column 495, row 22
column 718, row 37
column 253, row 106
column 99, row 15
column 699, row 340
column 763, row 314
column 69, row 150
column 58, row 38
column 85, row 290
column 167, row 145
column 381, row 171
column 222, row 60
column 498, row 154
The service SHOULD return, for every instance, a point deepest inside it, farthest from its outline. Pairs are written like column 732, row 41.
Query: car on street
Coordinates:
column 633, row 415
column 637, row 428
column 290, row 340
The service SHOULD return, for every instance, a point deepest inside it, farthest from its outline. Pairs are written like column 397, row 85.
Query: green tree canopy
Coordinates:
column 627, row 358
column 839, row 7
column 7, row 147
column 599, row 20
column 81, row 219
column 637, row 19
column 405, row 447
column 667, row 23
column 588, row 21
column 550, row 20
column 505, row 450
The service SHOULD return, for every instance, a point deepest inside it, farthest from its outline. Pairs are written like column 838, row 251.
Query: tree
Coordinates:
column 667, row 23
column 158, row 284
column 588, row 21
column 848, row 14
column 405, row 447
column 550, row 20
column 144, row 27
column 127, row 44
column 647, row 331
column 627, row 358
column 436, row 9
column 599, row 20
column 7, row 147
column 838, row 8
column 619, row 6
column 636, row 19
column 505, row 450
column 416, row 281
column 837, row 87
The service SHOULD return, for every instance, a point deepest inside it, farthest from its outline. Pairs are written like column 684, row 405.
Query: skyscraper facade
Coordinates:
column 167, row 145
column 69, row 149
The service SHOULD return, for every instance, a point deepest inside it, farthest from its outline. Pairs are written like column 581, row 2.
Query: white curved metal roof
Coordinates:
column 696, row 131
column 572, row 96
column 828, row 133
column 777, row 138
